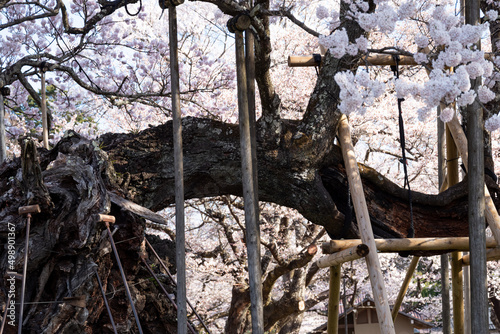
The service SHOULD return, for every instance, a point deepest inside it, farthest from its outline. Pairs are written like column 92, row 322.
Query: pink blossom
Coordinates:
column 493, row 123
column 447, row 114
column 322, row 12
column 484, row 94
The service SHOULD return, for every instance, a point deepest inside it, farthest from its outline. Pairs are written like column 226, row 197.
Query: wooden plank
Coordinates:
column 346, row 255
column 404, row 287
column 365, row 229
column 249, row 196
column 407, row 244
column 334, row 300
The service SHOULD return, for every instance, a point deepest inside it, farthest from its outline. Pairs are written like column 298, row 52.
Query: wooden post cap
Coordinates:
column 107, row 218
column 240, row 22
column 29, row 209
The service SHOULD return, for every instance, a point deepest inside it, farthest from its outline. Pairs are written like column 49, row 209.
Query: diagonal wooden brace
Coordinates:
column 491, row 212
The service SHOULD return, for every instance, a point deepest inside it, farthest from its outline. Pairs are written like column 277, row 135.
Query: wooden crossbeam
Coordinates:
column 407, row 244
column 346, row 255
column 373, row 60
column 492, row 254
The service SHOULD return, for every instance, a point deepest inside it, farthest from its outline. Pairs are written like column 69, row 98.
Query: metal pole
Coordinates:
column 3, row 138
column 179, row 175
column 105, row 301
column 250, row 197
column 445, row 262
column 477, row 236
column 25, row 270
column 175, row 283
column 4, row 319
column 45, row 123
column 124, row 278
column 191, row 329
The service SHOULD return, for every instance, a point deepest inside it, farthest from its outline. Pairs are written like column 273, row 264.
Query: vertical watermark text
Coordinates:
column 10, row 310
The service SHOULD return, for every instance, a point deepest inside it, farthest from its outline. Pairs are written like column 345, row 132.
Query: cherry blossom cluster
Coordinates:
column 454, row 59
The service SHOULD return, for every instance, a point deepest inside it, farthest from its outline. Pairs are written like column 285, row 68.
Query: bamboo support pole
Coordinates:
column 179, row 174
column 491, row 212
column 45, row 123
column 346, row 255
column 107, row 220
column 249, row 196
column 407, row 244
column 3, row 138
column 363, row 219
column 491, row 255
column 27, row 210
column 404, row 286
column 334, row 300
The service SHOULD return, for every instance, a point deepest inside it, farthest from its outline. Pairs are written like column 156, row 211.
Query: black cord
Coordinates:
column 138, row 11
column 395, row 69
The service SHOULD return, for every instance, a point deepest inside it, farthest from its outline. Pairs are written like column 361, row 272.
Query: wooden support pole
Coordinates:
column 365, row 229
column 443, row 185
column 3, row 138
column 491, row 212
column 492, row 254
column 476, row 213
column 458, row 292
column 407, row 244
column 346, row 255
column 404, row 287
column 179, row 174
column 334, row 300
column 249, row 196
column 45, row 123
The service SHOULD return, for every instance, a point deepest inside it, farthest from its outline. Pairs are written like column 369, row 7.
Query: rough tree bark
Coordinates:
column 79, row 179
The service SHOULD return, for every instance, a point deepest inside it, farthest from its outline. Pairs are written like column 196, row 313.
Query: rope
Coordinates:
column 395, row 69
